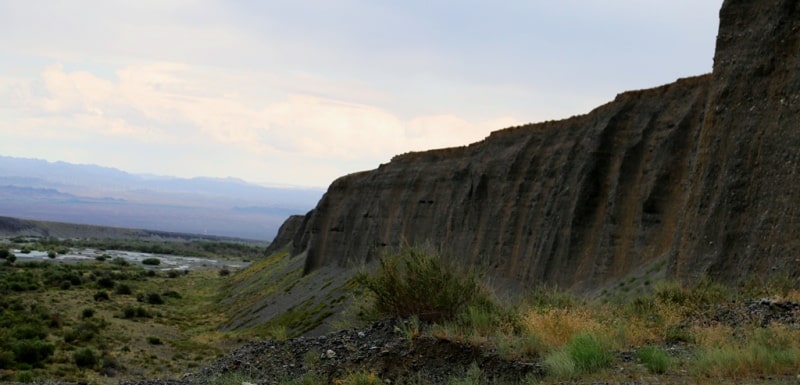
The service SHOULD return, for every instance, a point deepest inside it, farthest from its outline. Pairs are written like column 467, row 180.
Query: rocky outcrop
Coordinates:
column 285, row 235
column 701, row 173
column 743, row 211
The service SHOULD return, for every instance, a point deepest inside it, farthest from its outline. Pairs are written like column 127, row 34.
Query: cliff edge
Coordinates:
column 702, row 174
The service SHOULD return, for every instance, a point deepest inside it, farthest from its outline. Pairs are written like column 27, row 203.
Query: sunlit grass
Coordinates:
column 724, row 352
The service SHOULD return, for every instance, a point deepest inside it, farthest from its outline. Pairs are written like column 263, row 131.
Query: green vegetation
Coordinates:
column 95, row 320
column 578, row 339
column 654, row 358
column 78, row 322
column 415, row 283
column 85, row 358
column 151, row 261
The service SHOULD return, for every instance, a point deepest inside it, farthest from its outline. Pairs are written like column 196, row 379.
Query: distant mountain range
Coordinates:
column 96, row 195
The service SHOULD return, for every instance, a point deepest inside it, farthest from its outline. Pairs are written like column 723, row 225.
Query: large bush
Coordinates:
column 151, row 261
column 417, row 283
column 85, row 358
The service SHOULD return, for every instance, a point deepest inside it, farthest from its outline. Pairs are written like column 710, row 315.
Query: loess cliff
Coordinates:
column 702, row 175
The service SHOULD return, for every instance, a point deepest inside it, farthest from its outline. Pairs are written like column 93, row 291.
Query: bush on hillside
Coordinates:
column 85, row 358
column 416, row 283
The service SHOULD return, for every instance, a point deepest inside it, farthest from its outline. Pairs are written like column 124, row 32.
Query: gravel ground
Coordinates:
column 382, row 348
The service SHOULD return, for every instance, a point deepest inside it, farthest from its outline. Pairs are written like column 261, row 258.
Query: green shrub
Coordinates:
column 585, row 354
column 154, row 340
column 30, row 330
column 589, row 353
column 106, row 283
column 154, row 299
column 74, row 279
column 87, row 313
column 119, row 261
column 51, row 254
column 123, row 289
column 672, row 293
column 101, row 296
column 85, row 358
column 130, row 312
column 83, row 332
column 543, row 296
column 6, row 359
column 416, row 283
column 32, row 352
column 655, row 359
column 25, row 376
column 151, row 261
column 707, row 291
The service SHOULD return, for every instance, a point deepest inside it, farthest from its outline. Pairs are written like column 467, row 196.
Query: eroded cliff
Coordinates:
column 701, row 173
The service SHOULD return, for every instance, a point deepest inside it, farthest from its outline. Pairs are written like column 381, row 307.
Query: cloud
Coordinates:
column 172, row 104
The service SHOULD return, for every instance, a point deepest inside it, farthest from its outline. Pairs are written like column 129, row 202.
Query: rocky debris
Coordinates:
column 762, row 312
column 381, row 348
column 387, row 350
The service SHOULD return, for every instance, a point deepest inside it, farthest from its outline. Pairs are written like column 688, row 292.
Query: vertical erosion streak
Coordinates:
column 664, row 201
column 627, row 206
column 517, row 202
column 478, row 214
column 594, row 200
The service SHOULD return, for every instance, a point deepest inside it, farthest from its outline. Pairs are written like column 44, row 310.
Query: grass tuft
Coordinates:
column 654, row 358
column 589, row 353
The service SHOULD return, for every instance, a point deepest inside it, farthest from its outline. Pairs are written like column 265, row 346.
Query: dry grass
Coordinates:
column 725, row 352
column 557, row 327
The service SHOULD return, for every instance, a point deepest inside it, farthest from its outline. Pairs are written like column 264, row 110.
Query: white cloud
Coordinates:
column 174, row 105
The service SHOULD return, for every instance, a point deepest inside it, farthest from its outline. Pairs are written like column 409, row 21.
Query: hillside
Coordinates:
column 699, row 176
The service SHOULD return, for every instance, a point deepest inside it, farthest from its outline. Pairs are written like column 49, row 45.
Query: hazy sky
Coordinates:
column 300, row 92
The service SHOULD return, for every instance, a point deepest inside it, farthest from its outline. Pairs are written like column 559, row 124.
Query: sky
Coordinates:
column 300, row 92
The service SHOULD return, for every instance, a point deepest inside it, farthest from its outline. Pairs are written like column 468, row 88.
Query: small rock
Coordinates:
column 330, row 353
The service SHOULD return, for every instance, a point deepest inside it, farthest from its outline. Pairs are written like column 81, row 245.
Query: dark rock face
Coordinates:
column 743, row 210
column 285, row 233
column 703, row 173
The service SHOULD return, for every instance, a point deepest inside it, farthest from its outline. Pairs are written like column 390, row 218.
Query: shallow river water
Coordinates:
column 168, row 262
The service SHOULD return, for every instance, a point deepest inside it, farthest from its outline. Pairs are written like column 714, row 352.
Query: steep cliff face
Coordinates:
column 743, row 211
column 702, row 173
